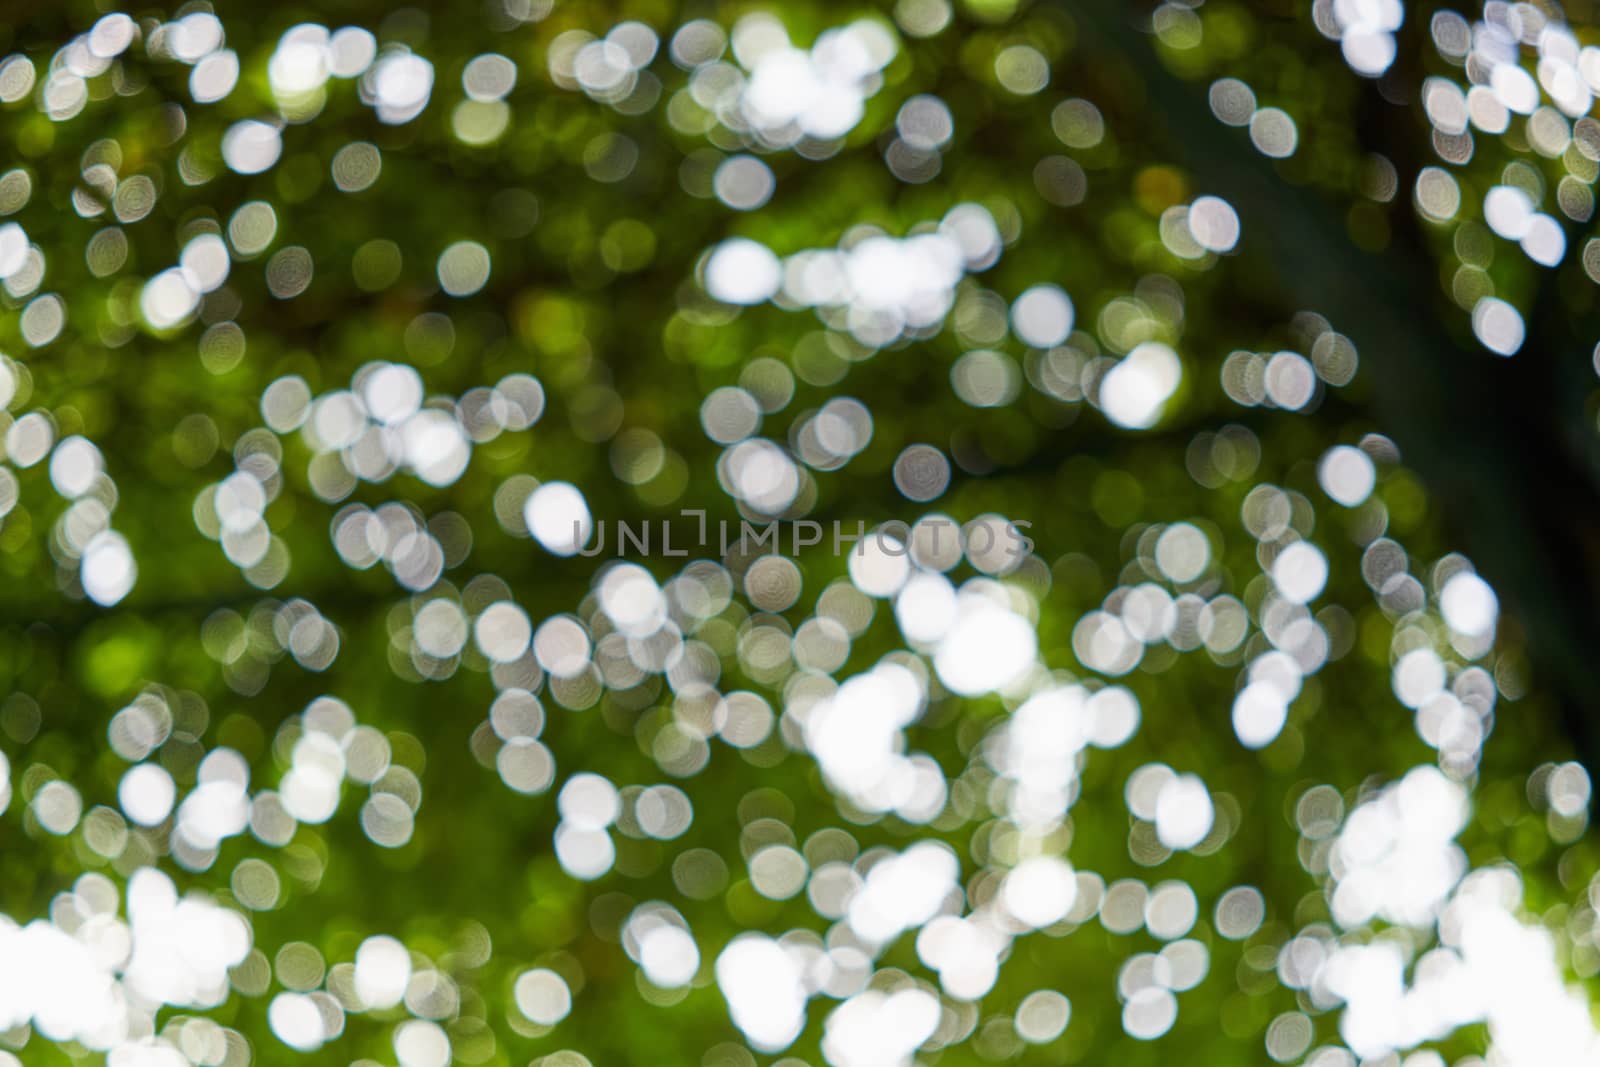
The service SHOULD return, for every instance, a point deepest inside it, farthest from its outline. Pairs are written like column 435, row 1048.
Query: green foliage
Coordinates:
column 599, row 214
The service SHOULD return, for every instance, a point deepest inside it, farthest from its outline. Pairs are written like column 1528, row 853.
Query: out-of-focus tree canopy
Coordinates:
column 1205, row 378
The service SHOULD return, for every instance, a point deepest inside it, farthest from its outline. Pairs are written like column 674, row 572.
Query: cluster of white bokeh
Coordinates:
column 92, row 558
column 65, row 91
column 247, row 646
column 1393, row 860
column 964, row 937
column 172, row 297
column 1453, row 951
column 382, row 425
column 90, row 553
column 87, row 975
column 1519, row 63
column 402, row 985
column 612, row 68
column 1365, row 30
column 396, row 83
column 107, row 961
column 856, row 734
column 882, row 290
column 1287, row 379
column 785, row 93
column 22, row 268
column 979, row 640
column 769, row 93
column 876, row 287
